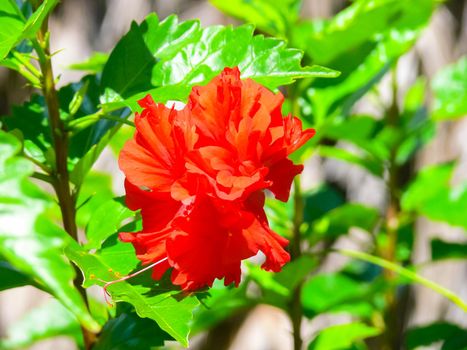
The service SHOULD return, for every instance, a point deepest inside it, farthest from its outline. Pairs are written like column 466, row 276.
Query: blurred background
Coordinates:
column 80, row 27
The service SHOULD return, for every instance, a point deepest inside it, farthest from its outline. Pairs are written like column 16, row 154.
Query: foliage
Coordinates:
column 323, row 68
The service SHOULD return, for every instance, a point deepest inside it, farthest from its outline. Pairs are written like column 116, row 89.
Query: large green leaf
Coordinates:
column 362, row 42
column 432, row 195
column 157, row 300
column 167, row 58
column 450, row 91
column 47, row 321
column 343, row 336
column 28, row 239
column 271, row 17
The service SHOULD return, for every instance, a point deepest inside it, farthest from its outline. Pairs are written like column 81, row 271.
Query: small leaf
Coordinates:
column 34, row 22
column 274, row 18
column 431, row 194
column 447, row 250
column 11, row 25
column 94, row 64
column 341, row 219
column 329, row 292
column 367, row 162
column 450, row 91
column 321, row 200
column 343, row 336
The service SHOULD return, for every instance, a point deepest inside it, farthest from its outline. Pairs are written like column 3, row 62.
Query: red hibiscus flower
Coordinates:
column 199, row 174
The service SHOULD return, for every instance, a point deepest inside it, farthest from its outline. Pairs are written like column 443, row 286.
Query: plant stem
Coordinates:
column 66, row 198
column 389, row 250
column 413, row 276
column 295, row 307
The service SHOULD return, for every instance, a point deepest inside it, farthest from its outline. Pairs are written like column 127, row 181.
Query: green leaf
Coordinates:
column 85, row 146
column 94, row 64
column 447, row 250
column 341, row 219
column 453, row 336
column 47, row 321
column 157, row 300
column 168, row 58
column 343, row 336
column 365, row 161
column 431, row 194
column 34, row 22
column 361, row 42
column 330, row 292
column 28, row 239
column 95, row 191
column 274, row 18
column 11, row 277
column 11, row 25
column 450, row 91
column 321, row 200
column 129, row 332
column 105, row 221
column 223, row 302
column 279, row 216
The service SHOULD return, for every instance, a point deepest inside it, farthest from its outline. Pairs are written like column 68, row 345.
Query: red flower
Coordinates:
column 198, row 177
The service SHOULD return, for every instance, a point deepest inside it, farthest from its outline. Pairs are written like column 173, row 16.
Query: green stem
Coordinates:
column 66, row 198
column 405, row 273
column 295, row 305
column 84, row 122
column 33, row 70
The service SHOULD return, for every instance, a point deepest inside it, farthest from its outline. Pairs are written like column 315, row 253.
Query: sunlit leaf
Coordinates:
column 432, row 194
column 94, row 64
column 336, row 293
column 105, row 221
column 274, row 18
column 450, row 91
column 28, row 239
column 361, row 42
column 343, row 336
column 167, row 58
column 157, row 300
